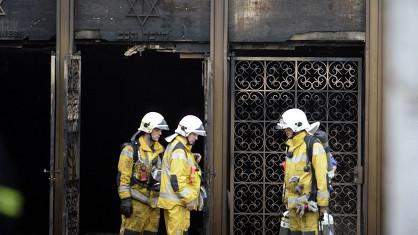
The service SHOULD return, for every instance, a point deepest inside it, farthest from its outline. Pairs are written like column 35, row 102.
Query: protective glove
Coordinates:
column 191, row 205
column 300, row 209
column 197, row 157
column 323, row 209
column 126, row 207
column 312, row 206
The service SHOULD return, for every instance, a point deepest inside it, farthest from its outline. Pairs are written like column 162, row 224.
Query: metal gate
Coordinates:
column 328, row 90
column 65, row 180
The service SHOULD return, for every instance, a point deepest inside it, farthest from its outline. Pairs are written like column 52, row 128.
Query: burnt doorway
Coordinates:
column 116, row 92
column 25, row 129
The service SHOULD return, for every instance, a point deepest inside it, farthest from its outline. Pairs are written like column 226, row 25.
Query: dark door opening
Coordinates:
column 25, row 130
column 116, row 92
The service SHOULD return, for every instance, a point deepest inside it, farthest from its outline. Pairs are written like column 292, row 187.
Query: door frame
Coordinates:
column 373, row 193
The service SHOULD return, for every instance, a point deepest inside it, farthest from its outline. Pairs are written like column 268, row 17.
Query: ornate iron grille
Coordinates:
column 328, row 90
column 72, row 70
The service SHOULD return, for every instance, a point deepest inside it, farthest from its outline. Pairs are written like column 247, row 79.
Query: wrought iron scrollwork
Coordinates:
column 312, row 75
column 249, row 136
column 73, row 100
column 328, row 90
column 72, row 145
column 249, row 75
column 280, row 75
column 72, row 191
column 277, row 103
column 249, row 198
column 249, row 167
column 253, row 223
column 250, row 105
column 314, row 104
column 343, row 75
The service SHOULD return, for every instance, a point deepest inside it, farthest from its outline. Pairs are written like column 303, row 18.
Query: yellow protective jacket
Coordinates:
column 295, row 168
column 180, row 176
column 137, row 191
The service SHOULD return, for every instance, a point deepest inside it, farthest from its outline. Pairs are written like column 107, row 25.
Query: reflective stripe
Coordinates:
column 166, row 171
column 323, row 194
column 170, row 196
column 128, row 153
column 296, row 159
column 168, row 186
column 139, row 196
column 146, row 160
column 154, row 201
column 11, row 202
column 317, row 150
column 178, row 156
column 296, row 200
column 186, row 192
column 124, row 188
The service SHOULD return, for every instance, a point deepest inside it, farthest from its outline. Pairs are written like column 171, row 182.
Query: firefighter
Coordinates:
column 139, row 172
column 306, row 192
column 181, row 176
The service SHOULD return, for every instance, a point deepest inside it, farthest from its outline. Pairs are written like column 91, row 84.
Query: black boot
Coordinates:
column 130, row 232
column 149, row 233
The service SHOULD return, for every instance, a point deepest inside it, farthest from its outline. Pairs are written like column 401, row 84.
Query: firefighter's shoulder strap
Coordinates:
column 309, row 141
column 181, row 146
column 135, row 146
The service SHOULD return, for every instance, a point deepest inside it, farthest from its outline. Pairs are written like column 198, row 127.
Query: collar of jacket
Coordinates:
column 144, row 146
column 296, row 141
column 184, row 141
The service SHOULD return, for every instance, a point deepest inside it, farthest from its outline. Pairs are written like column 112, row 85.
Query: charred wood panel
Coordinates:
column 143, row 20
column 27, row 19
column 279, row 20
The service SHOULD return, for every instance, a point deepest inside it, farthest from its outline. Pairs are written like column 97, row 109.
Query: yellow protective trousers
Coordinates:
column 143, row 218
column 307, row 225
column 177, row 220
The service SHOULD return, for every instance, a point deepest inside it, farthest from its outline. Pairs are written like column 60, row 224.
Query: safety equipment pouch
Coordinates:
column 144, row 175
column 192, row 174
column 284, row 224
column 326, row 225
column 154, row 180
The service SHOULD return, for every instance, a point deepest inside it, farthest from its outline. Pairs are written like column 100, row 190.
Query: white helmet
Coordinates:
column 152, row 120
column 296, row 120
column 190, row 124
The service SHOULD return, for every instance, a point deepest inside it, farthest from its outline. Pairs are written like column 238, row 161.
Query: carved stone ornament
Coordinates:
column 2, row 12
column 147, row 9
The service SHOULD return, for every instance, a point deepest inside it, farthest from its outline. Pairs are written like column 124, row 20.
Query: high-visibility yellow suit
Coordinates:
column 298, row 183
column 180, row 185
column 145, row 215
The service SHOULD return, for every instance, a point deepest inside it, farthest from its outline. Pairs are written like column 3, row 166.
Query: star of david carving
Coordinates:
column 2, row 13
column 148, row 9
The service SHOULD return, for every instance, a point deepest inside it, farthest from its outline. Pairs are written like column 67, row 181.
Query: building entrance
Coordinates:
column 117, row 91
column 25, row 130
